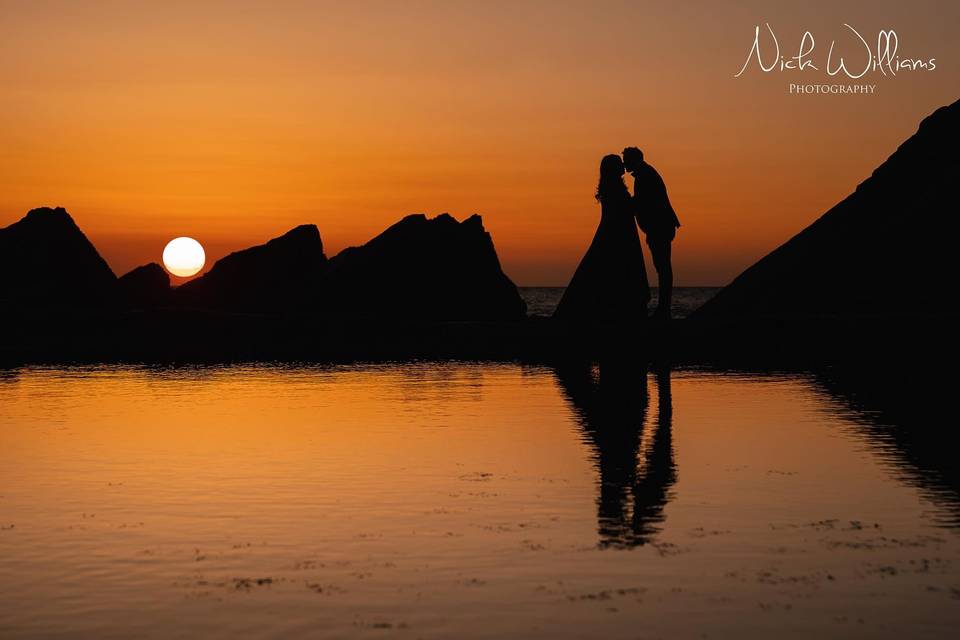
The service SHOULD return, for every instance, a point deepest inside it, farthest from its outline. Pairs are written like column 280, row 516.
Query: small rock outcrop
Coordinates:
column 888, row 248
column 423, row 268
column 47, row 261
column 278, row 276
column 145, row 287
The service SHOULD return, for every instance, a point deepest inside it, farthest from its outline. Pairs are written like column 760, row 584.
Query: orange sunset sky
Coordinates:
column 234, row 121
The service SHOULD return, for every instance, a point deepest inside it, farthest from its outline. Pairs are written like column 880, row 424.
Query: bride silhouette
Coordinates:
column 611, row 282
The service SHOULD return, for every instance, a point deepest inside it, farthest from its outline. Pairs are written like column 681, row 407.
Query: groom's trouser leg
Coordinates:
column 660, row 254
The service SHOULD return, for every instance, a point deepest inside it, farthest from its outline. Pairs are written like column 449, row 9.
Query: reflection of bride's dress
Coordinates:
column 612, row 414
column 611, row 280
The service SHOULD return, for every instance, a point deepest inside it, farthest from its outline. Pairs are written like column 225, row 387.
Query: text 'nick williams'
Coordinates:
column 865, row 59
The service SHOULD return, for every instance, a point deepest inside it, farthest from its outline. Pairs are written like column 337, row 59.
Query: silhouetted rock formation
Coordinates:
column 418, row 268
column 144, row 287
column 46, row 260
column 888, row 247
column 438, row 269
column 280, row 275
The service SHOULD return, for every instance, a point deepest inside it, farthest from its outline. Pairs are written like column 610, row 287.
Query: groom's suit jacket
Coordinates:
column 655, row 214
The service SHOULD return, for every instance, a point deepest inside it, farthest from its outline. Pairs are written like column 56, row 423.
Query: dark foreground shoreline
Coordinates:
column 171, row 336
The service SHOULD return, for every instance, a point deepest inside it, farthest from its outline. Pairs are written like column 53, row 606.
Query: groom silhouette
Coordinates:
column 657, row 219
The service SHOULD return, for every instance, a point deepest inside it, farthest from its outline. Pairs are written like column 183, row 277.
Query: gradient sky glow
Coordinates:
column 232, row 122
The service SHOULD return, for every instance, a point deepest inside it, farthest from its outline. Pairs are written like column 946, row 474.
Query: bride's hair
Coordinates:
column 611, row 177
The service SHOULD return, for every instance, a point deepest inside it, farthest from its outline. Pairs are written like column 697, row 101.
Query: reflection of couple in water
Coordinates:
column 611, row 281
column 633, row 455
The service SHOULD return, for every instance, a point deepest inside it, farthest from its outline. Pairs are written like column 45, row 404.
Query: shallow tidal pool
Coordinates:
column 461, row 500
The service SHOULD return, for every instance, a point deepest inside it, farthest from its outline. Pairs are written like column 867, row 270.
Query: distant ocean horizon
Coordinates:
column 541, row 301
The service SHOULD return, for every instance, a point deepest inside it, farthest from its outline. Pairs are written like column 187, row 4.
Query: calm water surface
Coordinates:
column 459, row 500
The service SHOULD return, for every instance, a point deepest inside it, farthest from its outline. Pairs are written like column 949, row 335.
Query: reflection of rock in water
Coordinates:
column 634, row 459
column 904, row 415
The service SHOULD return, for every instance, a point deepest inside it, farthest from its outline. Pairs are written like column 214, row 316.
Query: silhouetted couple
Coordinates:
column 611, row 282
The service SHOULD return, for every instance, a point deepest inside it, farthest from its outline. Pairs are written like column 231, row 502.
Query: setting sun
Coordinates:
column 183, row 257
